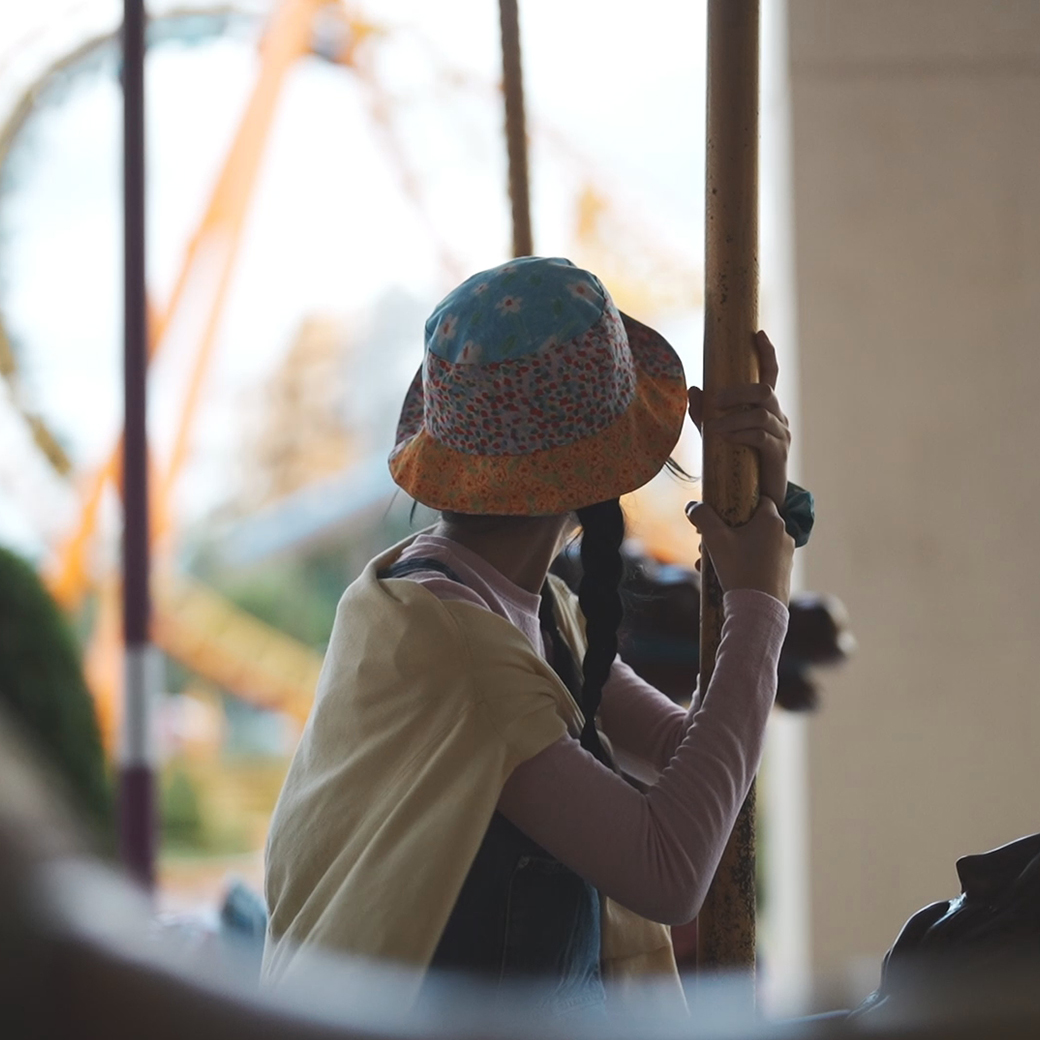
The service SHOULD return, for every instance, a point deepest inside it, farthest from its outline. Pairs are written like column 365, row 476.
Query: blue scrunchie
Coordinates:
column 799, row 513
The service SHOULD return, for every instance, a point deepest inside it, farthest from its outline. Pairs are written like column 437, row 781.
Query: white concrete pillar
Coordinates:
column 916, row 144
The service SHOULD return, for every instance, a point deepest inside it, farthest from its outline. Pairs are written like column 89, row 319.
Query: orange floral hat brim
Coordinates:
column 609, row 463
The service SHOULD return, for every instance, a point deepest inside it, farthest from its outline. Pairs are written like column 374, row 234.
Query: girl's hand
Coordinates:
column 756, row 555
column 752, row 416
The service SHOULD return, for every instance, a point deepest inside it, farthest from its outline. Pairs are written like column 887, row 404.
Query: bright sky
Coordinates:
column 614, row 92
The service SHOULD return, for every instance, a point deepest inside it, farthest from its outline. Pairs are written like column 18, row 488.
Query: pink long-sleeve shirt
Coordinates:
column 654, row 852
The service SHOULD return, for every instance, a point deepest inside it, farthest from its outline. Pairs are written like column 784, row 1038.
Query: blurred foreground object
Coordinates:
column 993, row 926
column 80, row 956
column 43, row 688
column 660, row 638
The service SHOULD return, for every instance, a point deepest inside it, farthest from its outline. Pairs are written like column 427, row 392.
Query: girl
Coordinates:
column 462, row 795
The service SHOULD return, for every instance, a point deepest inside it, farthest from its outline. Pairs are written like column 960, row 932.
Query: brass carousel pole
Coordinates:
column 726, row 925
column 516, row 128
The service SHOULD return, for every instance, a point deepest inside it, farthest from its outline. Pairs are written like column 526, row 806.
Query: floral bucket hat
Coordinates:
column 536, row 396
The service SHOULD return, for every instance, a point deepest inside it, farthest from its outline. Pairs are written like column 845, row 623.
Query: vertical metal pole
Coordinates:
column 726, row 925
column 136, row 794
column 516, row 128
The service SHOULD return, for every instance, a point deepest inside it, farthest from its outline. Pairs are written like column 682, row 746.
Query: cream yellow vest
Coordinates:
column 423, row 709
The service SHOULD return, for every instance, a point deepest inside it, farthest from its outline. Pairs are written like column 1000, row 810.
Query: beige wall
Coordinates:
column 916, row 175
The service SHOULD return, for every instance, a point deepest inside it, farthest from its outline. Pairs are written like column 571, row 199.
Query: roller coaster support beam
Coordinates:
column 726, row 925
column 136, row 781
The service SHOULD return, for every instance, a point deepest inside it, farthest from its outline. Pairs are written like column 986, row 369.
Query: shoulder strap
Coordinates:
column 563, row 662
column 402, row 568
column 563, row 659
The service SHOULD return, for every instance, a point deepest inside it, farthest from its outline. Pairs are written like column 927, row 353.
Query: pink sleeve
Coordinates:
column 656, row 852
column 643, row 725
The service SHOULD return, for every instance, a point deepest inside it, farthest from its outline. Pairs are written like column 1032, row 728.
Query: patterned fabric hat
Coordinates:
column 536, row 396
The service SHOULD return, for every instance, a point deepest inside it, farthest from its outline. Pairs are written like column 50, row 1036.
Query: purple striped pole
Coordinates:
column 136, row 785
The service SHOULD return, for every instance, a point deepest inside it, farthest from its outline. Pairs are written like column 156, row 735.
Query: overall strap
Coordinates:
column 563, row 662
column 402, row 568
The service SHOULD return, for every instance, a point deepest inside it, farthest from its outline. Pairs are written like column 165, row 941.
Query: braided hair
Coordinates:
column 603, row 531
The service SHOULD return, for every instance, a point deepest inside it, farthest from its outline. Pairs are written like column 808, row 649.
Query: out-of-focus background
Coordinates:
column 320, row 174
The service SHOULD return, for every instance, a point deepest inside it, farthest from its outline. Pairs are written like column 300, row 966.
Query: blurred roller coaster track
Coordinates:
column 193, row 623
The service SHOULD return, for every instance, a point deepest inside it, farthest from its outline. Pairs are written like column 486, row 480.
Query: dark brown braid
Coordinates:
column 603, row 531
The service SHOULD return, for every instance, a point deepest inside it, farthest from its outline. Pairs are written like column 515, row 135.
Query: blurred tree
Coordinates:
column 182, row 823
column 43, row 689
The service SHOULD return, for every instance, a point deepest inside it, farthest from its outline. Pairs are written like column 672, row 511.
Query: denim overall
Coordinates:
column 521, row 914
